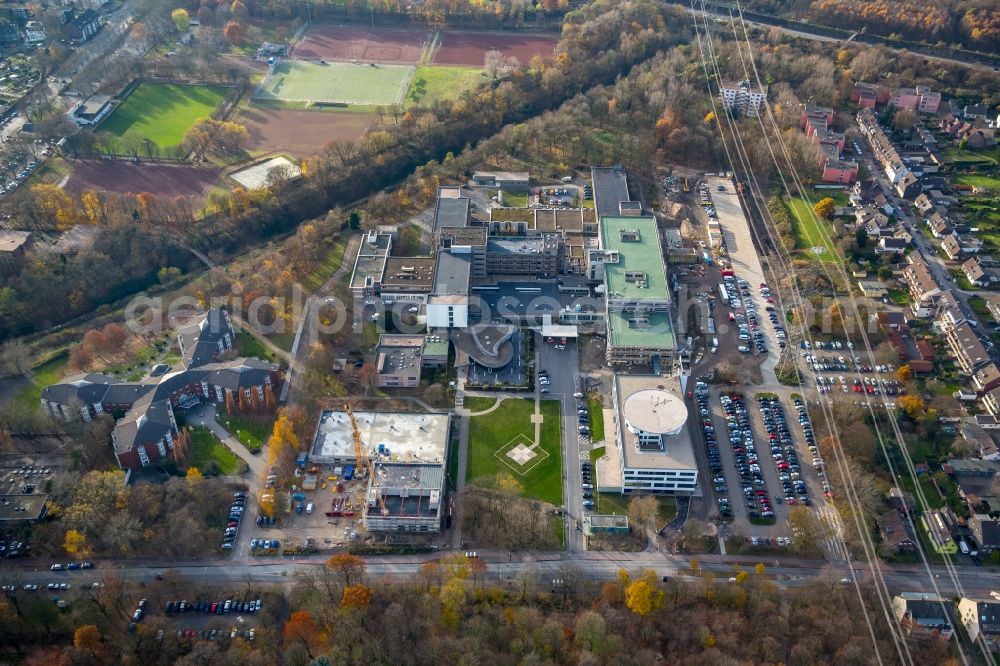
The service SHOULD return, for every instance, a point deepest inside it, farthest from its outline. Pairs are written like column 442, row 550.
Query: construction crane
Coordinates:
column 364, row 462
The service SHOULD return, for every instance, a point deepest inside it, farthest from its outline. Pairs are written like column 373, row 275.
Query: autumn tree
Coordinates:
column 76, row 543
column 639, row 597
column 234, row 32
column 181, row 19
column 912, row 405
column 347, row 568
column 356, row 597
column 88, row 638
column 824, row 208
column 302, row 628
column 904, row 374
column 50, row 206
column 641, row 509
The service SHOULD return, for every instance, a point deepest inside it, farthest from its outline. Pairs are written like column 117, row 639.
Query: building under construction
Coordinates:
column 403, row 458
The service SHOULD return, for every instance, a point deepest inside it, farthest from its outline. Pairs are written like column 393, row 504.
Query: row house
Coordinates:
column 829, row 145
column 968, row 349
column 146, row 431
column 923, row 204
column 993, row 306
column 882, row 148
column 923, row 288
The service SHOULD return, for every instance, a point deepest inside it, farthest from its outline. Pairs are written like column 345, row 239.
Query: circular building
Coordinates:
column 652, row 413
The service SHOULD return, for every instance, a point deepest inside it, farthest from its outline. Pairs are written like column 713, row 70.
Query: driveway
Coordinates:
column 563, row 370
column 205, row 415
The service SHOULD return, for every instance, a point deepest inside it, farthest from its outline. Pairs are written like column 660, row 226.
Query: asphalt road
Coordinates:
column 564, row 372
column 597, row 566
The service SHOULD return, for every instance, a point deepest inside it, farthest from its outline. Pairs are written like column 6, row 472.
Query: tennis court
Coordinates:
column 336, row 82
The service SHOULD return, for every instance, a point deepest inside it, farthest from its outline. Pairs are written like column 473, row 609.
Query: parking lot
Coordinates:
column 836, row 368
column 756, row 457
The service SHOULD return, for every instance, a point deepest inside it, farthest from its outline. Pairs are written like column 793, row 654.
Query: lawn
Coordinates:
column 493, row 434
column 340, row 83
column 977, row 180
column 432, row 84
column 325, row 270
column 808, row 233
column 968, row 157
column 251, row 431
column 50, row 371
column 596, row 419
column 514, row 199
column 248, row 345
column 210, row 455
column 163, row 113
column 840, row 197
column 477, row 404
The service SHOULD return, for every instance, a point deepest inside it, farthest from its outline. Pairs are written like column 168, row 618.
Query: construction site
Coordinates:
column 389, row 467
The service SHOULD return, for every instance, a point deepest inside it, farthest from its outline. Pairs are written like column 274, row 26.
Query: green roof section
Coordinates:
column 435, row 347
column 637, row 242
column 657, row 334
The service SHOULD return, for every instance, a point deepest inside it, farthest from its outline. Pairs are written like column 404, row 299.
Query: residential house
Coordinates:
column 895, row 537
column 901, row 500
column 978, row 483
column 923, row 204
column 147, row 429
column 978, row 440
column 985, row 532
column 83, row 26
column 940, row 226
column 976, row 112
column 981, row 271
column 923, row 615
column 891, row 245
column 14, row 244
column 991, row 402
column 981, row 618
column 993, row 305
column 958, row 245
column 872, row 288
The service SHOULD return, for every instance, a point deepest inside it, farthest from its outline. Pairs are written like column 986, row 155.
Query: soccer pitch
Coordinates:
column 162, row 112
column 336, row 82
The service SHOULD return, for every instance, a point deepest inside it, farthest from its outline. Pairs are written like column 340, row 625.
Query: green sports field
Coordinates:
column 163, row 112
column 336, row 82
column 433, row 83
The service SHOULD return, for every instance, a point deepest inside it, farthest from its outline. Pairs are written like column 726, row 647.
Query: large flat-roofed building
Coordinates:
column 742, row 97
column 92, row 110
column 16, row 509
column 501, row 178
column 407, row 279
column 652, row 446
column 450, row 210
column 448, row 303
column 635, row 279
column 409, row 454
column 369, row 267
column 401, row 358
column 610, row 189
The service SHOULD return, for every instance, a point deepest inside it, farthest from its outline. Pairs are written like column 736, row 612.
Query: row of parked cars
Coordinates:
column 215, row 634
column 741, row 439
column 235, row 517
column 214, row 607
column 712, row 448
column 786, row 460
column 586, row 469
column 807, row 432
column 72, row 566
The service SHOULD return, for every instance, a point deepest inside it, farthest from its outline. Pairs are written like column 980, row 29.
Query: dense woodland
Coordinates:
column 974, row 24
column 450, row 614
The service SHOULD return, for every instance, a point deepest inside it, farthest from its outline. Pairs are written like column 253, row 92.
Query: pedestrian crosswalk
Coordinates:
column 833, row 533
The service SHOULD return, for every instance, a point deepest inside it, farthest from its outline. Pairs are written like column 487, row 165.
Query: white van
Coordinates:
column 964, row 547
column 309, row 507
